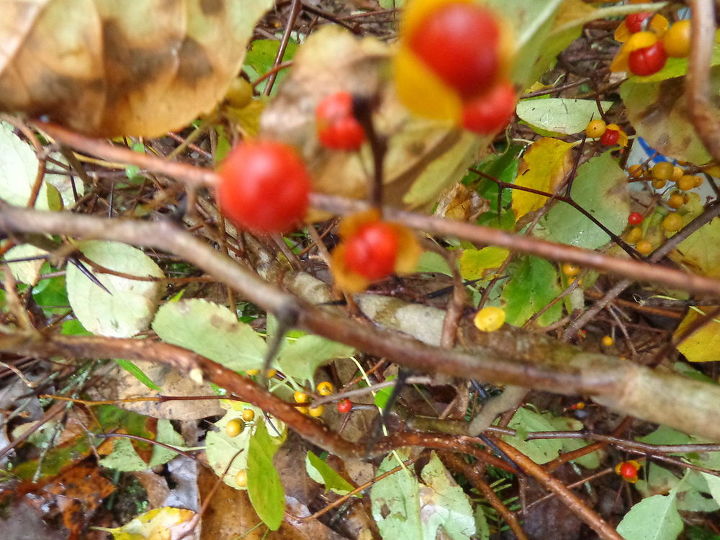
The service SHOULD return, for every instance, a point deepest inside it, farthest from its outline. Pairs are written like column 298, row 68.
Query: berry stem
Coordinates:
column 363, row 107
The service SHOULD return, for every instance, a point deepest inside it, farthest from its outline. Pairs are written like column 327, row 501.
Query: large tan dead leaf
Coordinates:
column 424, row 157
column 110, row 68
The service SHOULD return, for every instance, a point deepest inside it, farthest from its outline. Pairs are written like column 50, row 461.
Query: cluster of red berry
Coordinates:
column 461, row 43
column 648, row 42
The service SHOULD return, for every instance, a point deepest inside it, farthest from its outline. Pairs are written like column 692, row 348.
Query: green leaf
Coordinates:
column 666, row 435
column 264, row 487
column 601, row 188
column 475, row 262
column 563, row 423
column 300, row 358
column 533, row 285
column 540, row 450
column 432, row 262
column 713, row 483
column 323, row 473
column 136, row 372
column 532, row 23
column 395, row 501
column 445, row 506
column 481, row 523
column 125, row 458
column 130, row 306
column 560, row 116
column 654, row 518
column 211, row 330
column 383, row 395
column 261, row 58
column 27, row 271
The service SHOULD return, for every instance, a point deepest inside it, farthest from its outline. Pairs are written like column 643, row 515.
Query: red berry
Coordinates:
column 635, row 218
column 337, row 128
column 491, row 111
column 372, row 250
column 648, row 60
column 628, row 470
column 264, row 186
column 635, row 21
column 344, row 406
column 610, row 137
column 459, row 42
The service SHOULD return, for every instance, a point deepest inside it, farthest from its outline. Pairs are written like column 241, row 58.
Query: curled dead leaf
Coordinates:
column 111, row 68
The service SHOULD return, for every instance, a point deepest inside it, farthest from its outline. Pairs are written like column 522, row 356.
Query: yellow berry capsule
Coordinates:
column 636, row 171
column 303, row 410
column 672, row 222
column 676, row 41
column 241, row 478
column 248, row 415
column 659, row 184
column 644, row 247
column 662, row 170
column 270, row 373
column 595, row 128
column 699, row 181
column 607, row 341
column 489, row 319
column 688, row 182
column 300, row 397
column 234, row 427
column 570, row 270
column 677, row 174
column 316, row 412
column 676, row 200
column 325, row 388
column 634, row 235
column 252, row 372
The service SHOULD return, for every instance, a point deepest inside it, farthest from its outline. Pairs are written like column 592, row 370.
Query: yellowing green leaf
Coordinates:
column 159, row 524
column 543, row 167
column 704, row 344
column 474, row 262
column 700, row 252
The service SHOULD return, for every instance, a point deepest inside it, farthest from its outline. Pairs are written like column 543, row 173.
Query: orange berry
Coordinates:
column 688, row 182
column 676, row 200
column 644, row 247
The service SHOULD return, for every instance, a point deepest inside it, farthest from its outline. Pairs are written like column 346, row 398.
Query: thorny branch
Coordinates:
column 516, row 358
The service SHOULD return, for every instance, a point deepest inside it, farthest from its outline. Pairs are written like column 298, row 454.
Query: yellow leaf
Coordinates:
column 159, row 524
column 700, row 252
column 703, row 345
column 474, row 262
column 543, row 168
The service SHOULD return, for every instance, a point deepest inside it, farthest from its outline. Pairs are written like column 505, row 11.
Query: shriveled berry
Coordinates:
column 344, row 406
column 491, row 111
column 635, row 218
column 372, row 250
column 337, row 127
column 264, row 186
column 648, row 60
column 595, row 128
column 460, row 44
